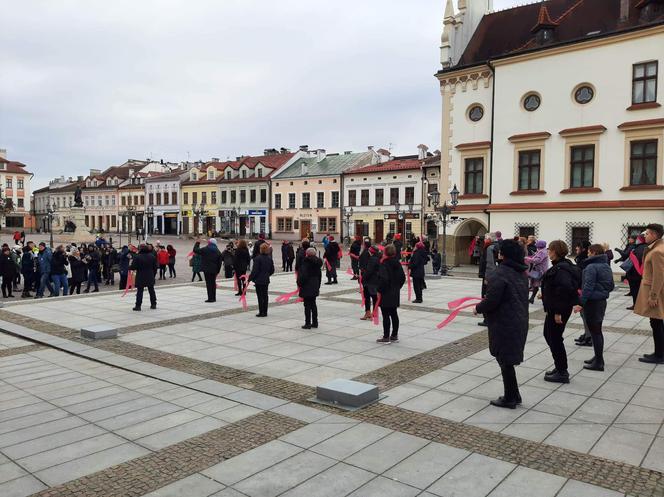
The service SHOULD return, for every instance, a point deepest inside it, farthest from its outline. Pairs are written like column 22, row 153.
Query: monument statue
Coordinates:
column 78, row 200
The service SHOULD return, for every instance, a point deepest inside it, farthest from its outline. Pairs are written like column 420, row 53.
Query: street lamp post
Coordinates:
column 441, row 216
column 149, row 211
column 50, row 211
column 198, row 212
column 348, row 213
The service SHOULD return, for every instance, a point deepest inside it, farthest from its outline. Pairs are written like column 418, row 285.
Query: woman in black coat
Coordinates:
column 418, row 260
column 210, row 265
column 8, row 271
column 506, row 310
column 301, row 253
column 241, row 261
column 227, row 257
column 260, row 275
column 369, row 263
column 308, row 281
column 145, row 265
column 560, row 293
column 77, row 267
column 390, row 280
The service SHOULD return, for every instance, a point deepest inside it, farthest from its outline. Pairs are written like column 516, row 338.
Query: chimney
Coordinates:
column 214, row 159
column 370, row 147
column 320, row 155
column 348, row 152
column 304, row 148
column 624, row 11
column 95, row 172
column 284, row 150
column 80, row 178
column 422, row 151
column 3, row 153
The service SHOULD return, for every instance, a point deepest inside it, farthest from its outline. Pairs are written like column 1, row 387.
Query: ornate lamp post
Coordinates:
column 198, row 212
column 441, row 217
column 50, row 212
column 348, row 213
column 149, row 212
column 129, row 214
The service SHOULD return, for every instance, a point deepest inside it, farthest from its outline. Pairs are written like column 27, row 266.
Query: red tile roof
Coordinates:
column 398, row 164
column 13, row 166
column 508, row 32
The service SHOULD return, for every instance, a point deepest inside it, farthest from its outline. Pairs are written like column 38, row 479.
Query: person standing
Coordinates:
column 124, row 260
column 597, row 285
column 488, row 264
column 398, row 245
column 436, row 261
column 634, row 271
column 369, row 265
column 59, row 271
column 162, row 260
column 355, row 249
column 241, row 261
column 261, row 271
column 171, row 261
column 145, row 265
column 290, row 257
column 301, row 253
column 44, row 257
column 332, row 257
column 256, row 249
column 92, row 260
column 417, row 262
column 210, row 265
column 308, row 281
column 650, row 300
column 284, row 255
column 506, row 311
column 8, row 273
column 195, row 263
column 560, row 293
column 227, row 257
column 390, row 280
column 539, row 263
column 77, row 272
column 27, row 270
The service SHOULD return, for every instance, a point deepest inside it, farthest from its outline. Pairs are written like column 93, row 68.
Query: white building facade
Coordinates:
column 550, row 139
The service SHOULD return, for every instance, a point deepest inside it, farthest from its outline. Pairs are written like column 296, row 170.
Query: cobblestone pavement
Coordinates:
column 218, row 375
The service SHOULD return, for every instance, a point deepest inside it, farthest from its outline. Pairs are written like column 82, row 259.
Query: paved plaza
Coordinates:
column 199, row 400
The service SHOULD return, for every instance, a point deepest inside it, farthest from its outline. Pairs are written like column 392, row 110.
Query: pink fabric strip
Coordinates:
column 637, row 264
column 456, row 303
column 327, row 263
column 243, row 298
column 374, row 316
column 359, row 280
column 130, row 283
column 284, row 298
column 453, row 315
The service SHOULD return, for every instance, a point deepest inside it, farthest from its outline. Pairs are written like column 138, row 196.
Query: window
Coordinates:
column 99, row 201
column 394, row 196
column 476, row 113
column 352, row 200
column 9, row 182
column 233, row 196
column 529, row 169
column 644, row 82
column 410, row 195
column 123, row 201
column 379, row 196
column 291, row 201
column 531, row 102
column 263, row 196
column 580, row 234
column 210, row 173
column 158, row 198
column 327, row 224
column 194, row 176
column 259, row 172
column 473, row 176
column 19, row 184
column 228, row 174
column 165, row 198
column 243, row 196
column 142, row 199
column 284, row 224
column 584, row 94
column 320, row 200
column 643, row 163
column 174, row 198
column 107, row 200
column 289, row 224
column 194, row 198
column 306, row 200
column 252, row 196
column 185, row 198
column 21, row 203
column 224, row 196
column 364, row 197
column 335, row 199
column 244, row 173
column 277, row 200
column 526, row 231
column 582, row 166
column 203, row 197
column 213, row 197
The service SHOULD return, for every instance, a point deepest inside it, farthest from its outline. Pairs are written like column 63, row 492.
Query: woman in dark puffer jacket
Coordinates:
column 506, row 309
column 308, row 281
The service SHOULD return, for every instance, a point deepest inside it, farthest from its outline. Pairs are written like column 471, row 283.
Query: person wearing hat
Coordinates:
column 650, row 301
column 145, row 265
column 210, row 265
column 308, row 282
column 398, row 245
column 416, row 264
column 538, row 263
column 505, row 308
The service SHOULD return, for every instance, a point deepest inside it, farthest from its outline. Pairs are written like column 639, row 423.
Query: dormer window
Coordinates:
column 244, row 173
column 544, row 29
column 228, row 174
column 194, row 176
column 259, row 172
column 210, row 174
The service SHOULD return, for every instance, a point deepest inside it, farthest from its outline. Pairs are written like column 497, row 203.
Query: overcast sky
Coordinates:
column 89, row 83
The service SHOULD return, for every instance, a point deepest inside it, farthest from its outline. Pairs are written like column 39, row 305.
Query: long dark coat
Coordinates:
column 370, row 278
column 241, row 261
column 418, row 260
column 262, row 270
column 210, row 258
column 390, row 280
column 506, row 310
column 309, row 277
column 145, row 265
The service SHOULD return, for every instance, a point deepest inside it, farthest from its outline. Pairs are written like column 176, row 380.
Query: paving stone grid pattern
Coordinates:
column 420, row 346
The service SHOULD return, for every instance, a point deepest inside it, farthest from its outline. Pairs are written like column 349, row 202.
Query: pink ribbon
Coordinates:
column 190, row 254
column 130, row 283
column 350, row 272
column 285, row 297
column 243, row 298
column 410, row 285
column 327, row 263
column 637, row 264
column 374, row 316
column 456, row 306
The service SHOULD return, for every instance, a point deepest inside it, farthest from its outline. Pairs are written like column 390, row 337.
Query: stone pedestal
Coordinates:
column 347, row 394
column 99, row 331
column 82, row 233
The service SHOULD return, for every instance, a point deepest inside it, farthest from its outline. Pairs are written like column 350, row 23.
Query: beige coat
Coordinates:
column 652, row 284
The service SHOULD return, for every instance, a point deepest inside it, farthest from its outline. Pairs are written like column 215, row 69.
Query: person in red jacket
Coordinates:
column 162, row 260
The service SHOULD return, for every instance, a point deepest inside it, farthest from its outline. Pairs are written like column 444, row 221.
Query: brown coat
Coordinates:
column 652, row 284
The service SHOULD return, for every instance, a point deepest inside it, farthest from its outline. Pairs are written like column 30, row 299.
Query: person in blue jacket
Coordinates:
column 44, row 258
column 596, row 286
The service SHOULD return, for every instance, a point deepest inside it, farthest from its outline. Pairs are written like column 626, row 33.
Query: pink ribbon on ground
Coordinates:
column 130, row 283
column 243, row 298
column 350, row 272
column 285, row 297
column 374, row 316
column 456, row 306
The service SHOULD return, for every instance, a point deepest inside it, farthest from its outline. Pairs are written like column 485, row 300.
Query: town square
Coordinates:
column 461, row 297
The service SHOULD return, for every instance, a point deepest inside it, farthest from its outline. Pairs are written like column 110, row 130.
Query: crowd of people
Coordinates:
column 514, row 272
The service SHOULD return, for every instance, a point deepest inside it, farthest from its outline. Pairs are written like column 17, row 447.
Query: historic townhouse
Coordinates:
column 244, row 192
column 384, row 198
column 132, row 202
column 15, row 191
column 163, row 193
column 306, row 195
column 552, row 118
column 58, row 193
column 199, row 202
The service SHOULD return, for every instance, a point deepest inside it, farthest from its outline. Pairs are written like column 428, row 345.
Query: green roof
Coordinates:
column 331, row 165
